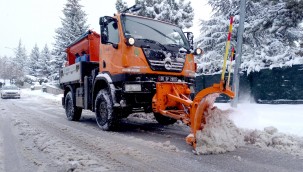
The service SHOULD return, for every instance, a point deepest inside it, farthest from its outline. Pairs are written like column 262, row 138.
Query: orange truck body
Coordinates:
column 122, row 77
column 116, row 67
column 89, row 43
column 127, row 59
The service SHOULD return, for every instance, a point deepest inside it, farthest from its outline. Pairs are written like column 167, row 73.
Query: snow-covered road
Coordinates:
column 35, row 136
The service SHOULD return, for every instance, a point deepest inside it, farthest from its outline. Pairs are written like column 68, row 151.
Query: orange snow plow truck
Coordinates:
column 136, row 64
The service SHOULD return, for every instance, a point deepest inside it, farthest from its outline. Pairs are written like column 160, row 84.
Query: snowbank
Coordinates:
column 287, row 118
column 220, row 135
column 39, row 93
column 271, row 139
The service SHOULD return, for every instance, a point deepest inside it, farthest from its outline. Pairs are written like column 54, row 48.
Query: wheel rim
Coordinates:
column 102, row 116
column 70, row 108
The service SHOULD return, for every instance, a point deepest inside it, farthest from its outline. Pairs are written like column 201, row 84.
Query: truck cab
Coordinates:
column 137, row 52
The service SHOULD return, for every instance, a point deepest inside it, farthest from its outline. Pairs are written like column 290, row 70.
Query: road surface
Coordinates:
column 36, row 136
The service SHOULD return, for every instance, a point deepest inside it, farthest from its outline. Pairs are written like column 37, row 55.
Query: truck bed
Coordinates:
column 75, row 73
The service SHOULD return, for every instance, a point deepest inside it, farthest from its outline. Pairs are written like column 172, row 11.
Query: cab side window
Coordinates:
column 109, row 30
column 113, row 34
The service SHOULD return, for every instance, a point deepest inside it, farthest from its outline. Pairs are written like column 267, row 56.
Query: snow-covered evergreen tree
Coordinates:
column 271, row 27
column 73, row 26
column 179, row 12
column 121, row 5
column 6, row 67
column 46, row 61
column 35, row 62
column 20, row 59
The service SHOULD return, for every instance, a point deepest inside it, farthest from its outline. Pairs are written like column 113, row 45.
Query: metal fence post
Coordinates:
column 236, row 76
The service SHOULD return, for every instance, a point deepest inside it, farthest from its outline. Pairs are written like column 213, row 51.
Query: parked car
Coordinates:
column 10, row 91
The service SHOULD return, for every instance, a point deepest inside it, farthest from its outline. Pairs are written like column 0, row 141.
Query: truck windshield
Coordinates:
column 155, row 31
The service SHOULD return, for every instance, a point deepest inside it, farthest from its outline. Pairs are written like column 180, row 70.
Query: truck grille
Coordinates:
column 165, row 60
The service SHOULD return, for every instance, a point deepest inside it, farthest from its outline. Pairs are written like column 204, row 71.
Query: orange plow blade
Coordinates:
column 191, row 112
column 204, row 100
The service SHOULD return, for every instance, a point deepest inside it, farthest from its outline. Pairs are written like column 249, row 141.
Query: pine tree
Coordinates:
column 121, row 5
column 46, row 61
column 179, row 13
column 7, row 67
column 73, row 26
column 271, row 27
column 34, row 63
column 19, row 61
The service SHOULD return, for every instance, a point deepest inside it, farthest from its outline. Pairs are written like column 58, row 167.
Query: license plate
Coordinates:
column 167, row 79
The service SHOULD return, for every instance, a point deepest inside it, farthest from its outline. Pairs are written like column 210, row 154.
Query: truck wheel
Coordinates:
column 105, row 116
column 73, row 113
column 164, row 120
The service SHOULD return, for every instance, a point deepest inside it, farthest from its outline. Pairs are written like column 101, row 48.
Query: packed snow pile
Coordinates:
column 219, row 134
column 270, row 138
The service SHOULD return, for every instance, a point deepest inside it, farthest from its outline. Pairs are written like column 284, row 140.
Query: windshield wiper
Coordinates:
column 153, row 42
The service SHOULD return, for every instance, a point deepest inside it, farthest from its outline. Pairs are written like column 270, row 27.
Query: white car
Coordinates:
column 10, row 91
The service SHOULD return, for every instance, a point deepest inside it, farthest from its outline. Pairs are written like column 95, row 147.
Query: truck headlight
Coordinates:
column 198, row 51
column 132, row 87
column 130, row 41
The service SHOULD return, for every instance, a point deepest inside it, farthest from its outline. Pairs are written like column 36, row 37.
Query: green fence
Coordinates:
column 277, row 85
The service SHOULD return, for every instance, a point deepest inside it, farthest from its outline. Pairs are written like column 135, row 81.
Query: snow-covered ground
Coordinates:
column 39, row 93
column 287, row 118
column 45, row 141
column 267, row 126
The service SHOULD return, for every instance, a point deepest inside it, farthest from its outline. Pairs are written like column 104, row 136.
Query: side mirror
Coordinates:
column 103, row 22
column 103, row 30
column 190, row 38
column 104, row 38
column 135, row 8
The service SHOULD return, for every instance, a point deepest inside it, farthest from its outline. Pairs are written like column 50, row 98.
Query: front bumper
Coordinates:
column 140, row 98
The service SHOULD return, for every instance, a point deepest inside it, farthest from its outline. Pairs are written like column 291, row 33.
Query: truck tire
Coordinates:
column 73, row 113
column 105, row 116
column 164, row 120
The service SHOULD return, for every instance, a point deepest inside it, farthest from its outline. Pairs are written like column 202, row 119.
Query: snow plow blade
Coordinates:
column 190, row 112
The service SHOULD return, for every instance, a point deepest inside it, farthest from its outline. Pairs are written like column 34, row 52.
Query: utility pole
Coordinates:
column 236, row 76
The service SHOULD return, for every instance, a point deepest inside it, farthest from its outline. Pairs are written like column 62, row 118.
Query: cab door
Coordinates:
column 111, row 48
